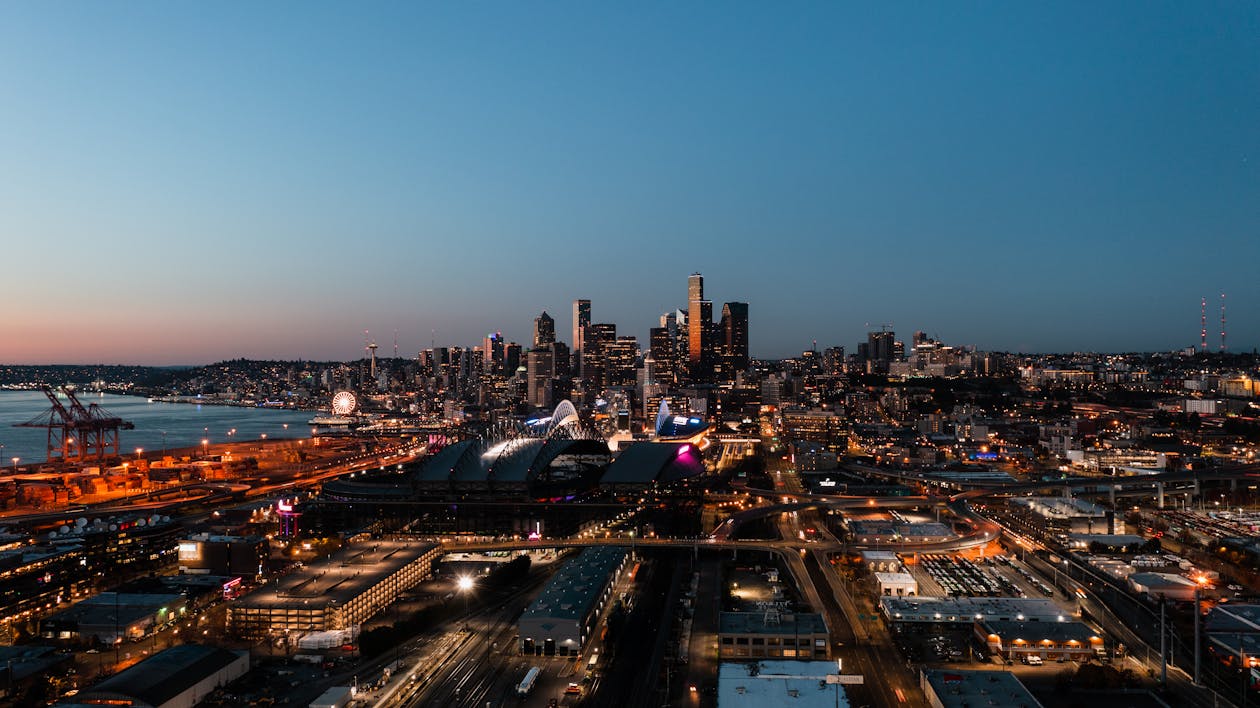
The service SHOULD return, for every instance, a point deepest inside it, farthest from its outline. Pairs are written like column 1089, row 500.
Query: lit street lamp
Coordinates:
column 465, row 585
column 15, row 461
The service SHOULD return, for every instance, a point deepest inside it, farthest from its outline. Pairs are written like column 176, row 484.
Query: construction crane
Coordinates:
column 79, row 432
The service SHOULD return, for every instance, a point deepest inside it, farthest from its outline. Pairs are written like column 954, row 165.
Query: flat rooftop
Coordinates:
column 576, row 586
column 1060, row 507
column 928, row 607
column 761, row 684
column 166, row 674
column 109, row 608
column 342, row 577
column 756, row 623
column 957, row 689
column 1233, row 618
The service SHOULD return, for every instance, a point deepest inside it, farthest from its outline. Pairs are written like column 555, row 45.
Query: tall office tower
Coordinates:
column 833, row 361
column 599, row 337
column 560, row 355
column 492, row 351
column 734, row 338
column 544, row 330
column 619, row 358
column 539, row 370
column 696, row 322
column 511, row 358
column 581, row 320
column 879, row 350
column 678, row 331
column 661, row 351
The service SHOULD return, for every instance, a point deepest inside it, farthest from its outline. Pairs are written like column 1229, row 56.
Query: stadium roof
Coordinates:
column 513, row 461
column 648, row 462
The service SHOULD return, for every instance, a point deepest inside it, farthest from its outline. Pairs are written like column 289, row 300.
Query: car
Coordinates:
column 572, row 690
column 1033, row 660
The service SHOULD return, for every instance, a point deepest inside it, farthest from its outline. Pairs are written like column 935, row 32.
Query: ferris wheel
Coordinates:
column 344, row 403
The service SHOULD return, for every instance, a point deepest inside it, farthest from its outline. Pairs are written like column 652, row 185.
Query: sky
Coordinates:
column 187, row 182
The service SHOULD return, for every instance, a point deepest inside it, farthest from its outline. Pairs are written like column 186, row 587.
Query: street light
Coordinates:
column 15, row 461
column 465, row 585
column 205, row 447
column 139, row 452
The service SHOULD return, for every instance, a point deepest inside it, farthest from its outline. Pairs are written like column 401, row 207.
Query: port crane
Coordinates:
column 78, row 433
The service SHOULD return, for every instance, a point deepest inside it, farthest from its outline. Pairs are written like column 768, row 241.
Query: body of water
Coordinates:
column 184, row 424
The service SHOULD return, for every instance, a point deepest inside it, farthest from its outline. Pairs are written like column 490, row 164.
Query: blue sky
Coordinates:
column 186, row 183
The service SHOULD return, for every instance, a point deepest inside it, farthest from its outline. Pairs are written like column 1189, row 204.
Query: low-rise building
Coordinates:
column 113, row 616
column 964, row 611
column 958, row 689
column 1071, row 640
column 207, row 554
column 179, row 677
column 773, row 634
column 882, row 561
column 898, row 584
column 800, row 684
column 1164, row 585
column 563, row 616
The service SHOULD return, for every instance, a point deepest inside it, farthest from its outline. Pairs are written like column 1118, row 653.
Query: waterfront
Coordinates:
column 158, row 425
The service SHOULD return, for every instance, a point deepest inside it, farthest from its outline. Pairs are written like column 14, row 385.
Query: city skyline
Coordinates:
column 271, row 182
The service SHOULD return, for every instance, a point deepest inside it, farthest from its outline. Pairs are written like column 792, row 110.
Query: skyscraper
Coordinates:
column 599, row 338
column 544, row 330
column 661, row 351
column 492, row 350
column 879, row 350
column 619, row 358
column 540, row 369
column 699, row 323
column 734, row 338
column 581, row 320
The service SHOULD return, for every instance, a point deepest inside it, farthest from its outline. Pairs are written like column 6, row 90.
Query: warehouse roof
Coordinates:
column 166, row 674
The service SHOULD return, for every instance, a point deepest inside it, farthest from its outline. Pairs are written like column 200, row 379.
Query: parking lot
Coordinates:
column 998, row 576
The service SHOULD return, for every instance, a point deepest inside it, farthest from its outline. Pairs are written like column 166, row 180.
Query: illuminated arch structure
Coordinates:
column 679, row 428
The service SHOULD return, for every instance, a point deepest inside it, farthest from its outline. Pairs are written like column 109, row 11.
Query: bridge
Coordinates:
column 985, row 488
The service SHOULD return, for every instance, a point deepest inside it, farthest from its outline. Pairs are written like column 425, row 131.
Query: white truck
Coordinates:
column 335, row 697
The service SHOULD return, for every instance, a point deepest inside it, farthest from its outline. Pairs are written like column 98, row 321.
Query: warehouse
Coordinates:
column 1074, row 641
column 179, row 677
column 1163, row 586
column 562, row 617
column 957, row 689
column 963, row 611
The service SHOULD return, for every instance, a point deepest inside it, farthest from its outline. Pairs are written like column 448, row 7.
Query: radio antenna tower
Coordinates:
column 1203, row 325
column 1222, row 323
column 395, row 344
